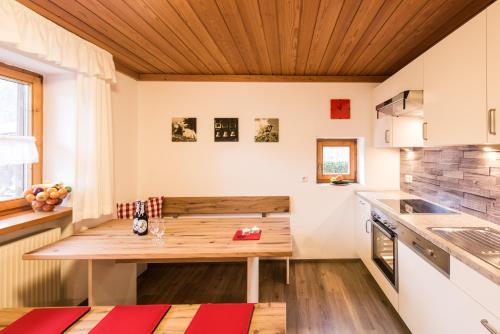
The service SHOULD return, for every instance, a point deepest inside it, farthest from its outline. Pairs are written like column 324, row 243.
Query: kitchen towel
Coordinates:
column 251, row 236
column 137, row 319
column 221, row 319
column 46, row 320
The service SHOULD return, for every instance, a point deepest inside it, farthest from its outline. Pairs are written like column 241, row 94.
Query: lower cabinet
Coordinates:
column 430, row 303
column 363, row 234
column 363, row 229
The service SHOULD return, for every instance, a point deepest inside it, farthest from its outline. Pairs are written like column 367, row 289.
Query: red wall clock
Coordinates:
column 340, row 109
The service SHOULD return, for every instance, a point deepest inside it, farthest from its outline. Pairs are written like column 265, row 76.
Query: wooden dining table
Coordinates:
column 113, row 251
column 267, row 318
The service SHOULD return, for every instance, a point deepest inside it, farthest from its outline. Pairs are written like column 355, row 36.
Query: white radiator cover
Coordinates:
column 26, row 283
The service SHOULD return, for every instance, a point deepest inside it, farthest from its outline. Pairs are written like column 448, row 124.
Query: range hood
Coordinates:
column 407, row 103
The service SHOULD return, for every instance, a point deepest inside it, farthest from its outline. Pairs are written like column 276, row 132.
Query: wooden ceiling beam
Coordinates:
column 259, row 78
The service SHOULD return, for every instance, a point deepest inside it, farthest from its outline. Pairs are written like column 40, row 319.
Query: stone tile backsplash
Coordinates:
column 466, row 178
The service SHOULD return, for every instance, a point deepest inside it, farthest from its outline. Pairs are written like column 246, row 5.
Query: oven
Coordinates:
column 384, row 248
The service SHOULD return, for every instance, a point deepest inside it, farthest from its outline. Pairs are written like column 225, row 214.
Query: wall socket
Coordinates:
column 408, row 178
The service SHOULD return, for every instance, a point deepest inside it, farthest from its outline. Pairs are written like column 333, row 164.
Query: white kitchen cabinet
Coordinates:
column 363, row 229
column 430, row 303
column 383, row 131
column 399, row 131
column 455, row 87
column 493, row 72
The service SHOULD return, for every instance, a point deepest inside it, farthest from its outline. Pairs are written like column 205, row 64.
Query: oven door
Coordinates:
column 384, row 251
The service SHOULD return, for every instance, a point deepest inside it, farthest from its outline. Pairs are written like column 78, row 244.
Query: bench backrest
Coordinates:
column 175, row 206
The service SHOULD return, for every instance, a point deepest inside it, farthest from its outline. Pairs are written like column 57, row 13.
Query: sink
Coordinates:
column 483, row 242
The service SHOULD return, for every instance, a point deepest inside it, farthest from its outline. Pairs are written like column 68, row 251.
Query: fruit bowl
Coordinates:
column 45, row 197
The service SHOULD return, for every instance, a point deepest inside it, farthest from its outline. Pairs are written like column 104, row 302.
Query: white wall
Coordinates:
column 322, row 215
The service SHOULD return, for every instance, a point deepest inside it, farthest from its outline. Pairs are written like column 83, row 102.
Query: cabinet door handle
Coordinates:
column 487, row 325
column 424, row 131
column 366, row 225
column 386, row 136
column 492, row 124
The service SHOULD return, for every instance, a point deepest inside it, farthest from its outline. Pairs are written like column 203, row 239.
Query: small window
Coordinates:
column 20, row 115
column 336, row 157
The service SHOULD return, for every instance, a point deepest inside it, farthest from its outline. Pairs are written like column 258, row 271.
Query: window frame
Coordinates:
column 353, row 158
column 8, row 72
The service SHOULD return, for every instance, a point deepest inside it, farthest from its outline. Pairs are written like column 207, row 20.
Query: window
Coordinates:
column 20, row 115
column 336, row 157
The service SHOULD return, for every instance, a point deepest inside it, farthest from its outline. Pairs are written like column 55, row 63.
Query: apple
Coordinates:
column 47, row 207
column 42, row 196
column 37, row 204
column 54, row 195
column 37, row 190
column 30, row 197
column 52, row 201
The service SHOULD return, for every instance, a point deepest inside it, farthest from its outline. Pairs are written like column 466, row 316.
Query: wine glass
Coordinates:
column 154, row 228
column 162, row 225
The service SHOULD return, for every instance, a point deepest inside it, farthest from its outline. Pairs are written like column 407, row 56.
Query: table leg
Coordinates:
column 111, row 283
column 253, row 280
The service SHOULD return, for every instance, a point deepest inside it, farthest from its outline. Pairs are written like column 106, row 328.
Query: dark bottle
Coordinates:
column 140, row 218
column 137, row 208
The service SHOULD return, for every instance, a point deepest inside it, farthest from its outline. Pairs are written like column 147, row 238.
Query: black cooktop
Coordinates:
column 412, row 206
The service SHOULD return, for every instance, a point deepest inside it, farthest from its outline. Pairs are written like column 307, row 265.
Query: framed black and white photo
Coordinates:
column 183, row 129
column 267, row 130
column 226, row 129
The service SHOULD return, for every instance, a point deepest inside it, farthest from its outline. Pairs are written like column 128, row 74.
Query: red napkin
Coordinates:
column 221, row 319
column 46, row 320
column 137, row 319
column 251, row 236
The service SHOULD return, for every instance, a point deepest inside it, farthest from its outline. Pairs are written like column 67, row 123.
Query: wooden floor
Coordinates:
column 323, row 297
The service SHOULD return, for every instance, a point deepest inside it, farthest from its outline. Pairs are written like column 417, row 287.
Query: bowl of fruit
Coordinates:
column 45, row 197
column 339, row 181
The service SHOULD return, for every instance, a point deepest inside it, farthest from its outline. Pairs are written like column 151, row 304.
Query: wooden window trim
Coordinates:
column 36, row 81
column 351, row 143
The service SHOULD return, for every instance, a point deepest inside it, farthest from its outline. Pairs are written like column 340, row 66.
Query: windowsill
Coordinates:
column 22, row 220
column 327, row 184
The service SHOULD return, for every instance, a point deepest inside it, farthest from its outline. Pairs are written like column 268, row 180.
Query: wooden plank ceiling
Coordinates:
column 262, row 40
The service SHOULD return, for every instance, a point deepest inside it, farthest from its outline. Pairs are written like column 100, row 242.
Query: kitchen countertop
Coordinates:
column 420, row 222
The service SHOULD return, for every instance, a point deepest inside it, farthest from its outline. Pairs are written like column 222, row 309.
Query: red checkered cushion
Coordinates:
column 153, row 208
column 125, row 210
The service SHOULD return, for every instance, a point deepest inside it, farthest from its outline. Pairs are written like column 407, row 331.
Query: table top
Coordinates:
column 185, row 239
column 268, row 318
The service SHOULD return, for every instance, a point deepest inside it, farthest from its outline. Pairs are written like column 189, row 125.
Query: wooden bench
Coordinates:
column 263, row 205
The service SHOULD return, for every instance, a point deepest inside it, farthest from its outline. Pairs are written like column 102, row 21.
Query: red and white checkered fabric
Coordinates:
column 153, row 208
column 125, row 210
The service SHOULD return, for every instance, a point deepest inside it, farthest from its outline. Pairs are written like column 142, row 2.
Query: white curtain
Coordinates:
column 26, row 32
column 23, row 30
column 93, row 195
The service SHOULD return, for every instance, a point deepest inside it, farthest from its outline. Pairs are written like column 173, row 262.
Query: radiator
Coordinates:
column 26, row 283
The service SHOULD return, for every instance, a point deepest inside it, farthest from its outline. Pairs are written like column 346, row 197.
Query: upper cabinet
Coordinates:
column 399, row 131
column 455, row 110
column 493, row 72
